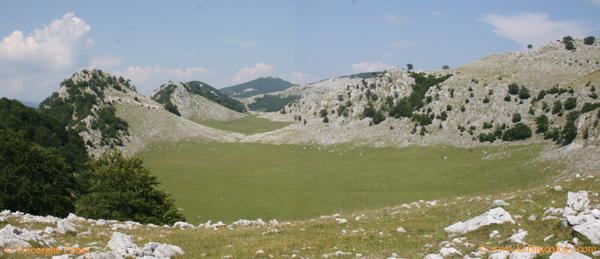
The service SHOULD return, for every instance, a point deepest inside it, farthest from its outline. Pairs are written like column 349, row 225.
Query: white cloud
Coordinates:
column 243, row 44
column 302, row 78
column 536, row 29
column 369, row 67
column 150, row 78
column 595, row 1
column 388, row 55
column 59, row 46
column 246, row 74
column 403, row 44
column 437, row 13
column 398, row 20
column 105, row 63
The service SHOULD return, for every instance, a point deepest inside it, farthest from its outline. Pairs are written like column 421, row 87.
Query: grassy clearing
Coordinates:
column 227, row 182
column 373, row 235
column 249, row 124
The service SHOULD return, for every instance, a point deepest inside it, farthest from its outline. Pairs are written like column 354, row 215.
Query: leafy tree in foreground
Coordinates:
column 122, row 189
column 33, row 179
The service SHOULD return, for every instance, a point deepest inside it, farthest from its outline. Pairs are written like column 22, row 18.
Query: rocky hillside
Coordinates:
column 474, row 99
column 108, row 113
column 257, row 86
column 191, row 101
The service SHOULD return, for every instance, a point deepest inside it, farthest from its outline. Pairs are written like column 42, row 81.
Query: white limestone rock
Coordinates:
column 591, row 230
column 567, row 251
column 183, row 225
column 164, row 250
column 447, row 251
column 498, row 203
column 518, row 237
column 433, row 256
column 500, row 255
column 72, row 217
column 493, row 216
column 102, row 223
column 101, row 255
column 63, row 226
column 576, row 201
column 120, row 242
column 401, row 230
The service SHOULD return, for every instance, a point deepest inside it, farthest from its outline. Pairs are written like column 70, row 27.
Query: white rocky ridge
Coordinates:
column 493, row 216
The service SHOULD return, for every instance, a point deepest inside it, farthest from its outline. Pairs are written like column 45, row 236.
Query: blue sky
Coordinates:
column 224, row 43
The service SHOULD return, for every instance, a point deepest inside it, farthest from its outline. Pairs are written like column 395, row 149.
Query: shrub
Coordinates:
column 507, row 98
column 445, row 67
column 541, row 123
column 443, row 116
column 122, row 189
column 553, row 134
column 570, row 103
column 172, row 108
column 323, row 113
column 588, row 107
column 519, row 132
column 32, row 179
column 369, row 112
column 516, row 117
column 557, row 107
column 589, row 40
column 325, row 119
column 513, row 89
column 569, row 133
column 487, row 125
column 524, row 93
column 448, row 107
column 486, row 100
column 569, row 45
column 487, row 137
column 378, row 117
column 541, row 95
column 462, row 108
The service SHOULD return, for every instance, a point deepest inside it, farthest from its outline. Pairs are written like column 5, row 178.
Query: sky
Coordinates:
column 224, row 43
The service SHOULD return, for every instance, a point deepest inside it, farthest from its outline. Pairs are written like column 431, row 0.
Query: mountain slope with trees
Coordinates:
column 257, row 86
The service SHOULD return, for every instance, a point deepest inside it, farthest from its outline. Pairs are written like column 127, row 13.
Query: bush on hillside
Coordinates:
column 541, row 95
column 519, row 132
column 516, row 117
column 541, row 123
column 589, row 40
column 122, row 189
column 588, row 107
column 33, row 179
column 570, row 103
column 378, row 117
column 557, row 107
column 524, row 93
column 513, row 89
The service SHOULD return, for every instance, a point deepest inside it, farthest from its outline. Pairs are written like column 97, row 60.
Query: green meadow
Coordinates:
column 227, row 182
column 249, row 124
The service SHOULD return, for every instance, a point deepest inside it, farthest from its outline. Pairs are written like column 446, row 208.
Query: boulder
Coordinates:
column 576, row 201
column 500, row 255
column 447, row 251
column 433, row 256
column 165, row 250
column 72, row 217
column 102, row 223
column 493, row 216
column 120, row 242
column 567, row 251
column 100, row 255
column 63, row 226
column 183, row 225
column 498, row 203
column 591, row 230
column 518, row 238
column 401, row 230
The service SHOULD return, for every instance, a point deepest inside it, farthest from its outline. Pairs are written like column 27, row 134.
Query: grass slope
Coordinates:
column 249, row 124
column 233, row 181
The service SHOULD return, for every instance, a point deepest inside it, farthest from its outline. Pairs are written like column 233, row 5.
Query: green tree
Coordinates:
column 121, row 188
column 524, row 93
column 513, row 89
column 409, row 66
column 323, row 113
column 519, row 132
column 541, row 123
column 530, row 46
column 589, row 40
column 33, row 179
column 445, row 67
column 570, row 103
column 557, row 107
column 516, row 117
column 378, row 117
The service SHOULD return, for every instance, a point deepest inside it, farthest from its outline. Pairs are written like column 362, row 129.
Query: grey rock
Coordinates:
column 498, row 203
column 433, row 256
column 567, row 251
column 500, row 255
column 13, row 242
column 493, row 216
column 576, row 201
column 99, row 255
column 591, row 230
column 564, row 223
column 63, row 226
column 120, row 242
column 101, row 223
column 165, row 250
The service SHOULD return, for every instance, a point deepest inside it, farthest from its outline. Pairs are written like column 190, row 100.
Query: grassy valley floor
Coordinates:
column 249, row 124
column 227, row 182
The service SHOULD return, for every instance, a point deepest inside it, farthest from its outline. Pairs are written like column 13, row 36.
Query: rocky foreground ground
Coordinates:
column 522, row 224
